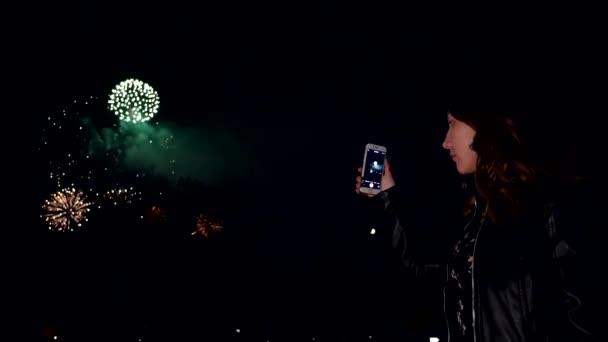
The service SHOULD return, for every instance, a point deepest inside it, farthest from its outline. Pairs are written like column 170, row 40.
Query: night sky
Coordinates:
column 283, row 97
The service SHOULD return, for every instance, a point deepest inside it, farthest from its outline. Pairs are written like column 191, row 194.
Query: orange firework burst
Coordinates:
column 157, row 214
column 65, row 210
column 206, row 224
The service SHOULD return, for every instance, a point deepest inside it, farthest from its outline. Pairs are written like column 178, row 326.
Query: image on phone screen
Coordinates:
column 373, row 168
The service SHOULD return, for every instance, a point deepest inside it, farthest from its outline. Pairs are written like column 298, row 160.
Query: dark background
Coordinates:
column 300, row 81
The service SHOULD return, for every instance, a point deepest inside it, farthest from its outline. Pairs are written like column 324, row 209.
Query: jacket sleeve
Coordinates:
column 576, row 312
column 398, row 222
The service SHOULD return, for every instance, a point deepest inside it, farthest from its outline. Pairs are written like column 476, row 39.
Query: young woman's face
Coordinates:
column 458, row 142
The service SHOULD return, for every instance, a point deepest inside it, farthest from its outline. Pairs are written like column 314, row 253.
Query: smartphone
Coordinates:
column 373, row 169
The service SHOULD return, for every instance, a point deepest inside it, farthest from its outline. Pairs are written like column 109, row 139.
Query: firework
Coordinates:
column 166, row 142
column 157, row 215
column 122, row 196
column 64, row 141
column 66, row 210
column 206, row 224
column 134, row 101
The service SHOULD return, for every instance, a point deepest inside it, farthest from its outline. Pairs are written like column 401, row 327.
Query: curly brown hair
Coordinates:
column 517, row 169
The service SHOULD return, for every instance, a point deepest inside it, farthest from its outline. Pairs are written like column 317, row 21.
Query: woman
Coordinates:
column 507, row 278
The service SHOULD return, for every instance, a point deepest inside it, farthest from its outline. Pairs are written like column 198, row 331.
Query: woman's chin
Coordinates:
column 464, row 171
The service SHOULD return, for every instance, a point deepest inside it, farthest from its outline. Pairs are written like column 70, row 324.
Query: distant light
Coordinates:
column 238, row 331
column 373, row 231
column 434, row 339
column 54, row 337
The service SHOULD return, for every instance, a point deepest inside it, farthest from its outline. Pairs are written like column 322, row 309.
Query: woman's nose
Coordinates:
column 446, row 144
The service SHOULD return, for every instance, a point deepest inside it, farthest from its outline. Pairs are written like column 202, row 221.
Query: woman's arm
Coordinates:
column 399, row 221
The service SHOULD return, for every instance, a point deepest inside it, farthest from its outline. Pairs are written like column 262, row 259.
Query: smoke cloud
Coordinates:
column 214, row 155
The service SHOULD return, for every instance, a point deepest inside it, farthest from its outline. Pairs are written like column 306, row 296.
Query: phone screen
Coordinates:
column 373, row 168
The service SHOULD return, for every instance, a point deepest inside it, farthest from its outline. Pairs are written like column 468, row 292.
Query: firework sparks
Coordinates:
column 134, row 101
column 122, row 196
column 157, row 214
column 166, row 142
column 206, row 224
column 67, row 160
column 66, row 210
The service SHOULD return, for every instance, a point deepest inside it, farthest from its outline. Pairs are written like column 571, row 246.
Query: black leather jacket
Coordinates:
column 520, row 277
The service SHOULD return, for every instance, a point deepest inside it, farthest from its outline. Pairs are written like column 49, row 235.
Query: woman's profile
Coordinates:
column 508, row 277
